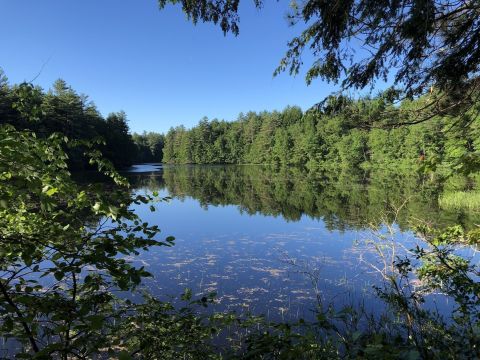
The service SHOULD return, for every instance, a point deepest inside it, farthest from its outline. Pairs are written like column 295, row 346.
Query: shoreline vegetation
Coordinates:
column 336, row 135
column 343, row 133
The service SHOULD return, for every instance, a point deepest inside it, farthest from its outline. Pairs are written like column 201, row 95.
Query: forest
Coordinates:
column 61, row 109
column 342, row 133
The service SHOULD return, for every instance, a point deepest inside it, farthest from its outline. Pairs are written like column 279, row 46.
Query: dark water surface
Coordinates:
column 261, row 238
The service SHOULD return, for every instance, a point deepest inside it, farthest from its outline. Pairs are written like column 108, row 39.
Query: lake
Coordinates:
column 275, row 242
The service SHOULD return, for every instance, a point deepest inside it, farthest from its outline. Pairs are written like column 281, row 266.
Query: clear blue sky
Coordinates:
column 155, row 65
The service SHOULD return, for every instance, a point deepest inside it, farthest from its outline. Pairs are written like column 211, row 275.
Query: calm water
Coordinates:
column 257, row 236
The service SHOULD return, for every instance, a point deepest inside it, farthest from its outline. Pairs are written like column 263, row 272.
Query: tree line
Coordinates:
column 62, row 110
column 342, row 132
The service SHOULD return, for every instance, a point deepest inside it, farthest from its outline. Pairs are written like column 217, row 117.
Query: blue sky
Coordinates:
column 155, row 65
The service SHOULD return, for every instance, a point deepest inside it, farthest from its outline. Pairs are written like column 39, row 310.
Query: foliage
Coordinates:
column 158, row 329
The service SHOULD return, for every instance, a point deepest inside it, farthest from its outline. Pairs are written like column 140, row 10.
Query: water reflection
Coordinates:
column 345, row 200
column 240, row 228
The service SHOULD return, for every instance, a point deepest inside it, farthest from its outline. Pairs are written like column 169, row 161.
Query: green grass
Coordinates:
column 460, row 200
